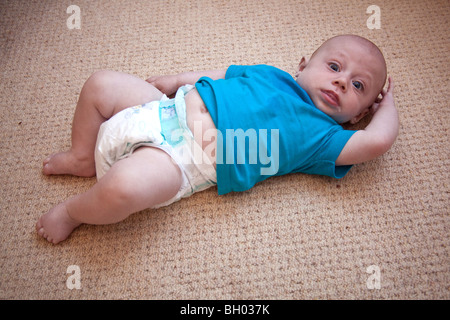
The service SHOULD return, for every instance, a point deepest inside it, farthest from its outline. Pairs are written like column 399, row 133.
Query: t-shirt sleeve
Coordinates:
column 235, row 71
column 325, row 159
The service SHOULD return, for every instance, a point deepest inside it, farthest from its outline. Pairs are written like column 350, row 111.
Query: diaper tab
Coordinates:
column 170, row 125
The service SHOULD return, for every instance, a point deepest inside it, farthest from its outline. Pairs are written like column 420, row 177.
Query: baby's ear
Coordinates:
column 360, row 116
column 302, row 65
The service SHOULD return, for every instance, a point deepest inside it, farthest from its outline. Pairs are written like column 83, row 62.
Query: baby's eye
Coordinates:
column 358, row 85
column 334, row 67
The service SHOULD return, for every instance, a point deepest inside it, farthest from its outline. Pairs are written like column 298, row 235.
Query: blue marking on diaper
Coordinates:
column 132, row 111
column 170, row 126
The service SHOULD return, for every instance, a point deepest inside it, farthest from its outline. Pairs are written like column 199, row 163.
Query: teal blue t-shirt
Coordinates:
column 267, row 126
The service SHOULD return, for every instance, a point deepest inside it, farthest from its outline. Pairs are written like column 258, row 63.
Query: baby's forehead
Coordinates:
column 359, row 53
column 349, row 42
column 348, row 45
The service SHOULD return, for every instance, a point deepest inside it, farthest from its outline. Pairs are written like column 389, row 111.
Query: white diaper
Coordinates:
column 160, row 124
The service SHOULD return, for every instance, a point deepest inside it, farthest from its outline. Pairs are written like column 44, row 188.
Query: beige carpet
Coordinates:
column 291, row 237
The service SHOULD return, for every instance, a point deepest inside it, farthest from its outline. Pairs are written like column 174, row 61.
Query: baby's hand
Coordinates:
column 387, row 98
column 166, row 84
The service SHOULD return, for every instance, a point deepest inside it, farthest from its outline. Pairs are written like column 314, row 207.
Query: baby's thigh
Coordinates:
column 146, row 178
column 117, row 90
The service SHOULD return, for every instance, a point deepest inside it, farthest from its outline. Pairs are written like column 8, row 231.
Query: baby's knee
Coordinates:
column 100, row 90
column 99, row 80
column 117, row 193
column 119, row 189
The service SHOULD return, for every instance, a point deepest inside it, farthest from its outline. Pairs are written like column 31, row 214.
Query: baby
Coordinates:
column 149, row 151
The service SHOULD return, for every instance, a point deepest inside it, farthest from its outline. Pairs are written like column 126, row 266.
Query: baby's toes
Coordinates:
column 47, row 237
column 42, row 233
column 47, row 167
column 40, row 230
column 47, row 160
column 38, row 225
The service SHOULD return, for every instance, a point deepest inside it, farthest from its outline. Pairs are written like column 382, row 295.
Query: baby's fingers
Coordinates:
column 391, row 85
column 380, row 96
column 384, row 92
column 374, row 108
column 151, row 79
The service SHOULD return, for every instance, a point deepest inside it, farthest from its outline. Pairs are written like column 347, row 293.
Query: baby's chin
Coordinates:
column 333, row 112
column 339, row 117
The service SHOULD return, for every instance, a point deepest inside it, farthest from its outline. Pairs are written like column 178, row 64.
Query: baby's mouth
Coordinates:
column 330, row 97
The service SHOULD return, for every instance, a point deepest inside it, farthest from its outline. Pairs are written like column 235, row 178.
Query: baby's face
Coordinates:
column 343, row 79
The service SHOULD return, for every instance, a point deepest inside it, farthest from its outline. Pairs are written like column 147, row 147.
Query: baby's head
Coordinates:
column 343, row 77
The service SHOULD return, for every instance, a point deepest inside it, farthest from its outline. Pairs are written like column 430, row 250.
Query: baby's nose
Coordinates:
column 341, row 83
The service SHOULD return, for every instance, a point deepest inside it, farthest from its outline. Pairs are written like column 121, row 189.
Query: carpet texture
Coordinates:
column 382, row 232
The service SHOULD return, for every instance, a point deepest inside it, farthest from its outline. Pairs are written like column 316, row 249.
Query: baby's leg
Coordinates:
column 103, row 95
column 147, row 178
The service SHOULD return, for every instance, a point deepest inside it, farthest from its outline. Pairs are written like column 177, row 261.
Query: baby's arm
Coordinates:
column 170, row 83
column 378, row 137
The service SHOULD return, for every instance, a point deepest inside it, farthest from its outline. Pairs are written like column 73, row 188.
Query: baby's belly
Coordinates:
column 201, row 124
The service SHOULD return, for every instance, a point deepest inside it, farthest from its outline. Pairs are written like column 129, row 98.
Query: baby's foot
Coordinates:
column 68, row 163
column 56, row 225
